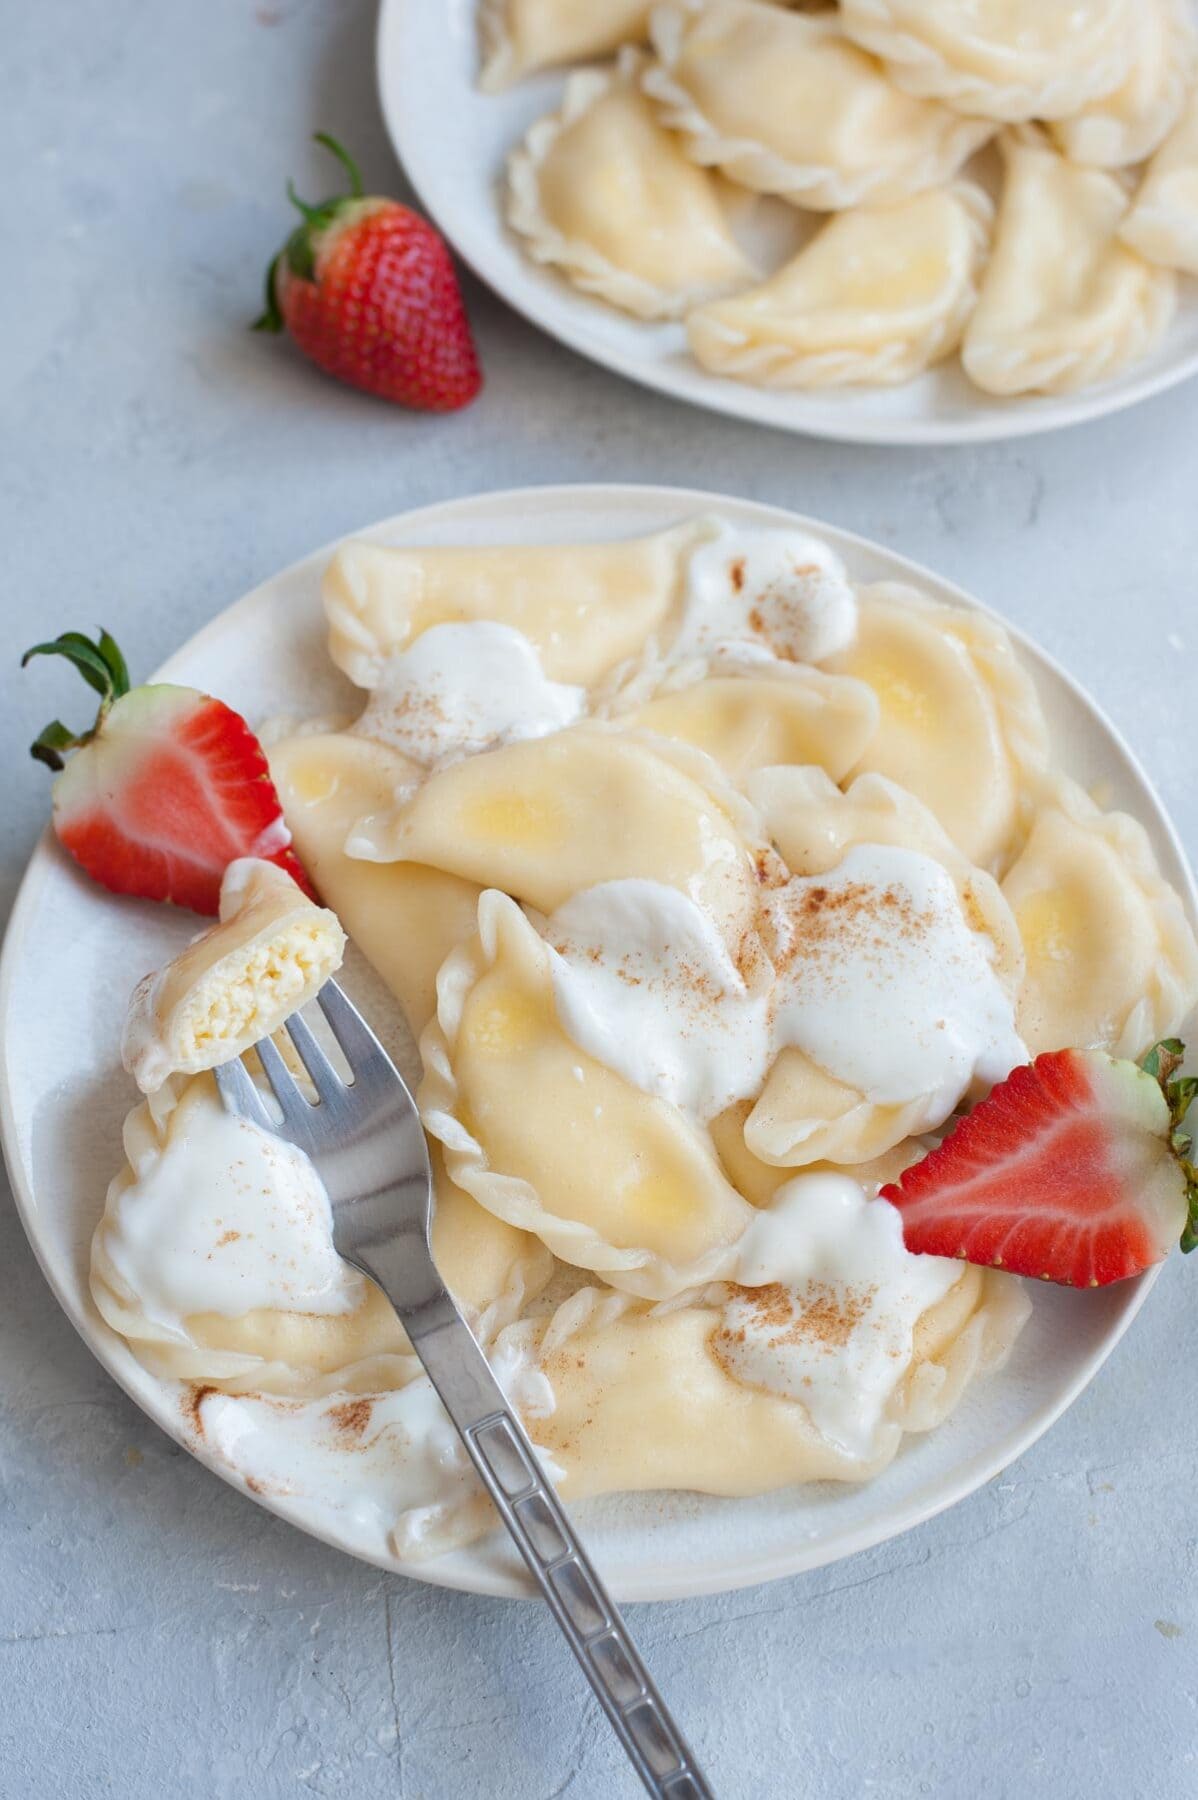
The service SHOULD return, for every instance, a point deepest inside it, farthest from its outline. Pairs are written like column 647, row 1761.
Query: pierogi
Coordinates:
column 712, row 885
column 877, row 296
column 1001, row 59
column 662, row 182
column 519, row 37
column 1163, row 222
column 783, row 103
column 602, row 192
column 1065, row 301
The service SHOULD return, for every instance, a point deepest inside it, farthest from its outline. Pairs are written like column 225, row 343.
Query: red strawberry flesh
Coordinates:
column 174, row 787
column 1066, row 1171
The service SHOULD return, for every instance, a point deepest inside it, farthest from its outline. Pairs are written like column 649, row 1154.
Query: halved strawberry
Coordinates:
column 1073, row 1169
column 166, row 789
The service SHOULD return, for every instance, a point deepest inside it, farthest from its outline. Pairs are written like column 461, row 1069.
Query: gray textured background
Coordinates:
column 160, row 1634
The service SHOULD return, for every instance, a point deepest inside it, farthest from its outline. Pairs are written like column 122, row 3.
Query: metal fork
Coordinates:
column 368, row 1146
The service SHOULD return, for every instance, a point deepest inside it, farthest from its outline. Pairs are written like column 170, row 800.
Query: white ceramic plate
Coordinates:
column 73, row 954
column 453, row 141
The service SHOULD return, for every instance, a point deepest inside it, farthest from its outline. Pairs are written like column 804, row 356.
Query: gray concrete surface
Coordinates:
column 160, row 1635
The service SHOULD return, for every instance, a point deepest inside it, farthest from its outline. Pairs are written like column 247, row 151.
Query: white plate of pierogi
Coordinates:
column 887, row 221
column 700, row 864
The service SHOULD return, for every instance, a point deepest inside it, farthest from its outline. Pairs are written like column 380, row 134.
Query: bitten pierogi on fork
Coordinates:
column 714, row 887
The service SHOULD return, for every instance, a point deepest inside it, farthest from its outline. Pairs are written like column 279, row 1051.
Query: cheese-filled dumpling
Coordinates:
column 1064, row 301
column 583, row 607
column 1163, row 222
column 518, row 37
column 749, row 722
column 1001, row 59
column 1111, row 957
column 601, row 191
column 914, row 964
column 235, row 984
column 877, row 296
column 771, row 1373
column 785, row 104
column 404, row 917
column 548, row 1138
column 961, row 726
column 214, row 1258
column 544, row 819
column 1129, row 123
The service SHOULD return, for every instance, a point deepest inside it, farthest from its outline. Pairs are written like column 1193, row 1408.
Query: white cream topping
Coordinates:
column 775, row 594
column 829, row 1304
column 225, row 1218
column 875, row 974
column 643, row 982
column 462, row 688
column 391, row 1462
column 882, row 982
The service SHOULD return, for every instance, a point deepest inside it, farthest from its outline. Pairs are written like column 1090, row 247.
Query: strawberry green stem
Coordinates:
column 104, row 669
column 345, row 159
column 1162, row 1063
column 299, row 252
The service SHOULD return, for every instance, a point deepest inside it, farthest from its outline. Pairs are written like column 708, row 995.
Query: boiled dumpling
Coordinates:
column 1064, row 302
column 749, row 722
column 1002, row 59
column 1163, row 222
column 601, row 191
column 545, row 819
column 961, row 725
column 1128, row 124
column 783, row 103
column 232, row 1278
column 551, row 1140
column 404, row 917
column 806, row 1112
column 617, row 1369
column 877, row 296
column 1111, row 957
column 584, row 607
column 521, row 36
column 759, row 1181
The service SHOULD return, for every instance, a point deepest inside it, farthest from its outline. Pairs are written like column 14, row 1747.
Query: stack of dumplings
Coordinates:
column 1015, row 185
column 712, row 885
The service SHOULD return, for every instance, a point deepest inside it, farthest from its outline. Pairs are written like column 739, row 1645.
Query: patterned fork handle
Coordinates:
column 528, row 1506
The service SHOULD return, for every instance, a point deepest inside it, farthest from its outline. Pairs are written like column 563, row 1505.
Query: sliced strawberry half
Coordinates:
column 166, row 789
column 1074, row 1169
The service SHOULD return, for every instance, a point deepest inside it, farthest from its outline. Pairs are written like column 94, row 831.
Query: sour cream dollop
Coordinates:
column 392, row 1464
column 827, row 1306
column 872, row 970
column 227, row 1218
column 773, row 595
column 466, row 687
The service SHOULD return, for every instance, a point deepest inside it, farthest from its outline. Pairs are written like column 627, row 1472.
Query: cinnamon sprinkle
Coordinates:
column 194, row 1396
column 822, row 1316
column 351, row 1417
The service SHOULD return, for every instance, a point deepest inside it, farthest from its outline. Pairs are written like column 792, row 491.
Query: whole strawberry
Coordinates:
column 368, row 291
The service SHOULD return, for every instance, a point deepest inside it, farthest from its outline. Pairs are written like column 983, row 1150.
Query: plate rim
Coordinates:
column 668, row 1583
column 733, row 402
